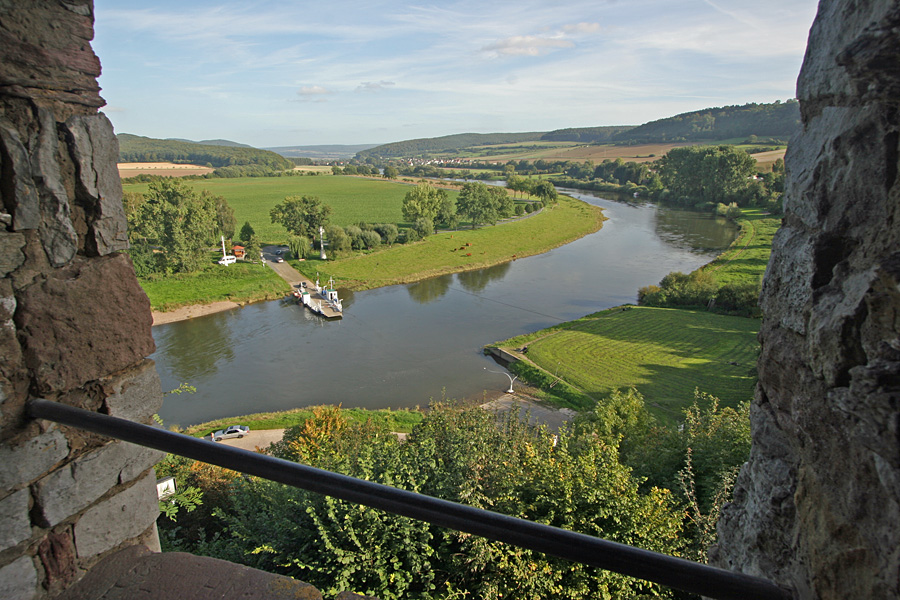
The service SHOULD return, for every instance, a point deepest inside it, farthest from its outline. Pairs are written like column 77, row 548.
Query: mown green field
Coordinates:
column 401, row 420
column 239, row 282
column 352, row 199
column 449, row 253
column 665, row 353
column 745, row 261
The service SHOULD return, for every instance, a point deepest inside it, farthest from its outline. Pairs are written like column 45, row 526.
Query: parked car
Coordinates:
column 278, row 252
column 233, row 431
column 279, row 259
column 227, row 260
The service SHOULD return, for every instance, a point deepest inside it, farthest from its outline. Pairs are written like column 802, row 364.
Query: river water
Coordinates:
column 403, row 345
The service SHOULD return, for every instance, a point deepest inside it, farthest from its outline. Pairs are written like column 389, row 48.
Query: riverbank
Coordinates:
column 441, row 254
column 194, row 310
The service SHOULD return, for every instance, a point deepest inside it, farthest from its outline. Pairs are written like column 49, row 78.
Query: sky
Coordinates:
column 297, row 73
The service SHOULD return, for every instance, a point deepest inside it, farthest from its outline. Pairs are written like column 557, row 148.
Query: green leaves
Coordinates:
column 301, row 215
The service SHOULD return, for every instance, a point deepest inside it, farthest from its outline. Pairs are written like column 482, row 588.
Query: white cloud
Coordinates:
column 526, row 45
column 374, row 86
column 581, row 28
column 313, row 93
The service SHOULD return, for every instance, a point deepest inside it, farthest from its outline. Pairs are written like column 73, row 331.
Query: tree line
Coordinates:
column 615, row 473
column 134, row 148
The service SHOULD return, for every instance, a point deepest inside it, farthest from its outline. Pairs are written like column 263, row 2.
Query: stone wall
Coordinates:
column 818, row 505
column 74, row 324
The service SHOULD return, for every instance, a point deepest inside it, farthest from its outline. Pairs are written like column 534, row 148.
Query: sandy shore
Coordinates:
column 189, row 312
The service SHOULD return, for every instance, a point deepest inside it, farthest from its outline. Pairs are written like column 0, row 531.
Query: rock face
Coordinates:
column 817, row 506
column 74, row 324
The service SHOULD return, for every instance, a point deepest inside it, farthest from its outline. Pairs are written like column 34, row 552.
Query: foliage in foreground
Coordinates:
column 576, row 481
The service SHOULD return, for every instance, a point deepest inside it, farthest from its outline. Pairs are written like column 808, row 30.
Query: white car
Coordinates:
column 233, row 431
column 227, row 260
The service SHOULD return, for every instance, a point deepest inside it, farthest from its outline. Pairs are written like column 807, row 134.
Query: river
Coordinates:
column 403, row 345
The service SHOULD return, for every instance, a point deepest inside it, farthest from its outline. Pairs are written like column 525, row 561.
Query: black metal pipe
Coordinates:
column 577, row 547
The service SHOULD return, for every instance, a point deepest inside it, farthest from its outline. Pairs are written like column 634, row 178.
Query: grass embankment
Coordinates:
column 665, row 353
column 746, row 259
column 463, row 250
column 400, row 420
column 239, row 282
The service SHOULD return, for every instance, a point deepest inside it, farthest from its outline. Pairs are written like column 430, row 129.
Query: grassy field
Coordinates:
column 352, row 199
column 239, row 282
column 746, row 259
column 401, row 420
column 449, row 253
column 665, row 353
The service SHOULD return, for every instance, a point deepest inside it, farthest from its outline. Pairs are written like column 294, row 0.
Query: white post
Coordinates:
column 224, row 254
column 511, row 379
column 321, row 242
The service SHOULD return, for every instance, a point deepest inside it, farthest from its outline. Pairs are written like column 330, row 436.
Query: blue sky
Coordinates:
column 285, row 73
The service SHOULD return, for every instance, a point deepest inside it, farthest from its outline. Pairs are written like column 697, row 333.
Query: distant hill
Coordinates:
column 212, row 142
column 587, row 135
column 417, row 147
column 322, row 152
column 135, row 148
column 777, row 120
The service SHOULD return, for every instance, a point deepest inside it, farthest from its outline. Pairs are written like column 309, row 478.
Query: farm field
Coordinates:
column 665, row 353
column 163, row 169
column 462, row 250
column 352, row 199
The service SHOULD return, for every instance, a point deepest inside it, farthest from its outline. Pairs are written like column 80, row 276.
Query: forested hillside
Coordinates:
column 445, row 143
column 586, row 134
column 777, row 120
column 134, row 148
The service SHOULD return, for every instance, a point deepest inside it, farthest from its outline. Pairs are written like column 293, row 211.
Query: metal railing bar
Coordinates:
column 667, row 570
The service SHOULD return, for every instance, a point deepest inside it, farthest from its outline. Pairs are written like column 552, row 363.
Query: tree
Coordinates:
column 247, row 232
column 505, row 203
column 301, row 215
column 391, row 172
column 422, row 202
column 447, row 209
column 545, row 191
column 225, row 221
column 707, row 173
column 477, row 204
column 175, row 222
column 388, row 232
column 338, row 240
column 252, row 249
column 299, row 246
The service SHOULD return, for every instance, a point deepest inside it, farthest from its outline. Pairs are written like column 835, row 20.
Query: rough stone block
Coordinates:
column 134, row 573
column 15, row 523
column 22, row 464
column 76, row 486
column 120, row 518
column 57, row 554
column 95, row 151
column 57, row 232
column 135, row 395
column 25, row 204
column 18, row 580
column 72, row 334
column 11, row 255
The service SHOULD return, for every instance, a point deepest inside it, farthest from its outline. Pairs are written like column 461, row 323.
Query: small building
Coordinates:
column 238, row 251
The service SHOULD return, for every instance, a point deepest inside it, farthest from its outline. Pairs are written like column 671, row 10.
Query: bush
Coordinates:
column 739, row 297
column 424, row 227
